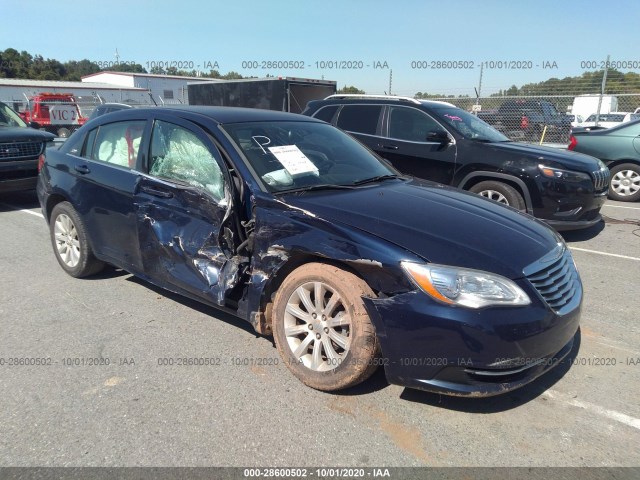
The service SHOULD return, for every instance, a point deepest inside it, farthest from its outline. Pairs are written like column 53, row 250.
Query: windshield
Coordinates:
column 9, row 118
column 469, row 126
column 305, row 155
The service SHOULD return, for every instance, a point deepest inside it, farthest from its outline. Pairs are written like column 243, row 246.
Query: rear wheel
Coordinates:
column 500, row 192
column 625, row 183
column 322, row 329
column 70, row 245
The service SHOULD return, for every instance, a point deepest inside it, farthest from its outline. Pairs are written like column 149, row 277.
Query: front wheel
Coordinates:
column 70, row 244
column 63, row 132
column 625, row 183
column 501, row 193
column 321, row 328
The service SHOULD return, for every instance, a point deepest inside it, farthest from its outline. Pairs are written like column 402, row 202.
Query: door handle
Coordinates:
column 156, row 192
column 83, row 169
column 390, row 147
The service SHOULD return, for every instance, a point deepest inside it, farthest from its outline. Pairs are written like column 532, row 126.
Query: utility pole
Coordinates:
column 390, row 80
column 604, row 84
column 117, row 55
column 478, row 91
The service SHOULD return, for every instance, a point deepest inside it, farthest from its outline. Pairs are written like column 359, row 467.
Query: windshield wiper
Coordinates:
column 309, row 188
column 376, row 179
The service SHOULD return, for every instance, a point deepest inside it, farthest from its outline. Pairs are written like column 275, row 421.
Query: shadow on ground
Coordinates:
column 499, row 403
column 583, row 235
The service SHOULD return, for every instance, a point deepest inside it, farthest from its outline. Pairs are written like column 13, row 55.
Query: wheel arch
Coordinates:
column 53, row 200
column 476, row 177
column 296, row 260
column 614, row 163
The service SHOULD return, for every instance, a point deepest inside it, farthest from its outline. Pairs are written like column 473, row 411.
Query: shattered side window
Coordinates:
column 178, row 154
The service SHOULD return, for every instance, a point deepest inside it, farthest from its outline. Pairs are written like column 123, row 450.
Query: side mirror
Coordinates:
column 438, row 136
column 35, row 125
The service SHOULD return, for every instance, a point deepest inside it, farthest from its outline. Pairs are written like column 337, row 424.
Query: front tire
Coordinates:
column 70, row 243
column 321, row 328
column 625, row 183
column 63, row 132
column 501, row 193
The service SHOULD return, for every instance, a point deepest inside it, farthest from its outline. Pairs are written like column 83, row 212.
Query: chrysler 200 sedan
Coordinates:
column 294, row 226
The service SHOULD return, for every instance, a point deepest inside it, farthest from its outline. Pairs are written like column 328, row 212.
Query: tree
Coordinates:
column 351, row 90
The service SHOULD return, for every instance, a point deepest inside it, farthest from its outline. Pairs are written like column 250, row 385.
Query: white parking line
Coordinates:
column 605, row 253
column 590, row 407
column 31, row 212
column 620, row 206
column 37, row 214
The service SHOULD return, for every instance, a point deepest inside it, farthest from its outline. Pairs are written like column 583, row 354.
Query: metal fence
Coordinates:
column 549, row 118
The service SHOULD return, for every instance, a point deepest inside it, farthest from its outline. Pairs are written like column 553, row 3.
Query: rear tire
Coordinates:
column 321, row 328
column 70, row 243
column 501, row 193
column 625, row 183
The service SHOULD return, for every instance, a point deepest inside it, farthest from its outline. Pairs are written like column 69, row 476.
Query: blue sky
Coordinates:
column 372, row 32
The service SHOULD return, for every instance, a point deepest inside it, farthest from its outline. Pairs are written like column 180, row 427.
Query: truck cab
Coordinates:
column 57, row 113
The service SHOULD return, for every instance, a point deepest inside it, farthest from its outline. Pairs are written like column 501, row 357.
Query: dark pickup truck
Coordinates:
column 21, row 148
column 527, row 119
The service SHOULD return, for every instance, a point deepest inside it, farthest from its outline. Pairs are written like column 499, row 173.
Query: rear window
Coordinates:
column 359, row 118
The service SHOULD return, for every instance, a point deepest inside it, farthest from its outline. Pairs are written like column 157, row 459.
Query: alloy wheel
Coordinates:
column 317, row 326
column 66, row 239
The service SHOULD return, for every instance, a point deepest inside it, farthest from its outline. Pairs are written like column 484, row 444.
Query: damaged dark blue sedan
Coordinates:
column 292, row 225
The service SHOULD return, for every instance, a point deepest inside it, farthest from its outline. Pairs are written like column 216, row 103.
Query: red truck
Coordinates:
column 57, row 113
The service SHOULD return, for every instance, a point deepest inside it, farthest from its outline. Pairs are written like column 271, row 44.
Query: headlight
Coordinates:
column 566, row 175
column 465, row 287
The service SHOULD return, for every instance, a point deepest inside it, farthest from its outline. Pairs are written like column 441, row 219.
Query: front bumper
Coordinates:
column 568, row 206
column 18, row 184
column 16, row 176
column 458, row 351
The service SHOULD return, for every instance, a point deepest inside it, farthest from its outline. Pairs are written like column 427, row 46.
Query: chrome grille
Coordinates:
column 20, row 150
column 557, row 281
column 601, row 179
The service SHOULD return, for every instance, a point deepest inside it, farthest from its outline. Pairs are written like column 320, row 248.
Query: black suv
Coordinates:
column 21, row 148
column 440, row 142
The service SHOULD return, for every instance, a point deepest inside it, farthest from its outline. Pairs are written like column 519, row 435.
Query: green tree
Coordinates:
column 351, row 90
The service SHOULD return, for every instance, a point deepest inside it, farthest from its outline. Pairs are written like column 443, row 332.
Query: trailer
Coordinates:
column 585, row 105
column 287, row 94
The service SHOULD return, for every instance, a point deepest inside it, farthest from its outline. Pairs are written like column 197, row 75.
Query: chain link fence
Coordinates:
column 63, row 112
column 549, row 118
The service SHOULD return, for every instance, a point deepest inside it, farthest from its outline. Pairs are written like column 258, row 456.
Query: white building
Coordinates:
column 164, row 88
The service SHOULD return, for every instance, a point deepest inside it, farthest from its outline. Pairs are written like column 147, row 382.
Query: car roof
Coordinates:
column 230, row 114
column 386, row 99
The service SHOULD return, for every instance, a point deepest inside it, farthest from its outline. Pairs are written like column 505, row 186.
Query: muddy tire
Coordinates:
column 501, row 193
column 70, row 243
column 321, row 328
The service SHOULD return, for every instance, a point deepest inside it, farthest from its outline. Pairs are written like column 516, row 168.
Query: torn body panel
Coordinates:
column 184, row 241
column 285, row 236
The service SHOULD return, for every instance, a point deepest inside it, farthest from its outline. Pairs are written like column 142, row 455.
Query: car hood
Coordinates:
column 23, row 134
column 440, row 224
column 545, row 155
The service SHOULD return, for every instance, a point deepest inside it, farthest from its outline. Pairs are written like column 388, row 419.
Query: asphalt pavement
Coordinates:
column 106, row 389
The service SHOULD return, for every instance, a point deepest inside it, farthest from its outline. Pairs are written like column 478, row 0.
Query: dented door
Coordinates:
column 182, row 204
